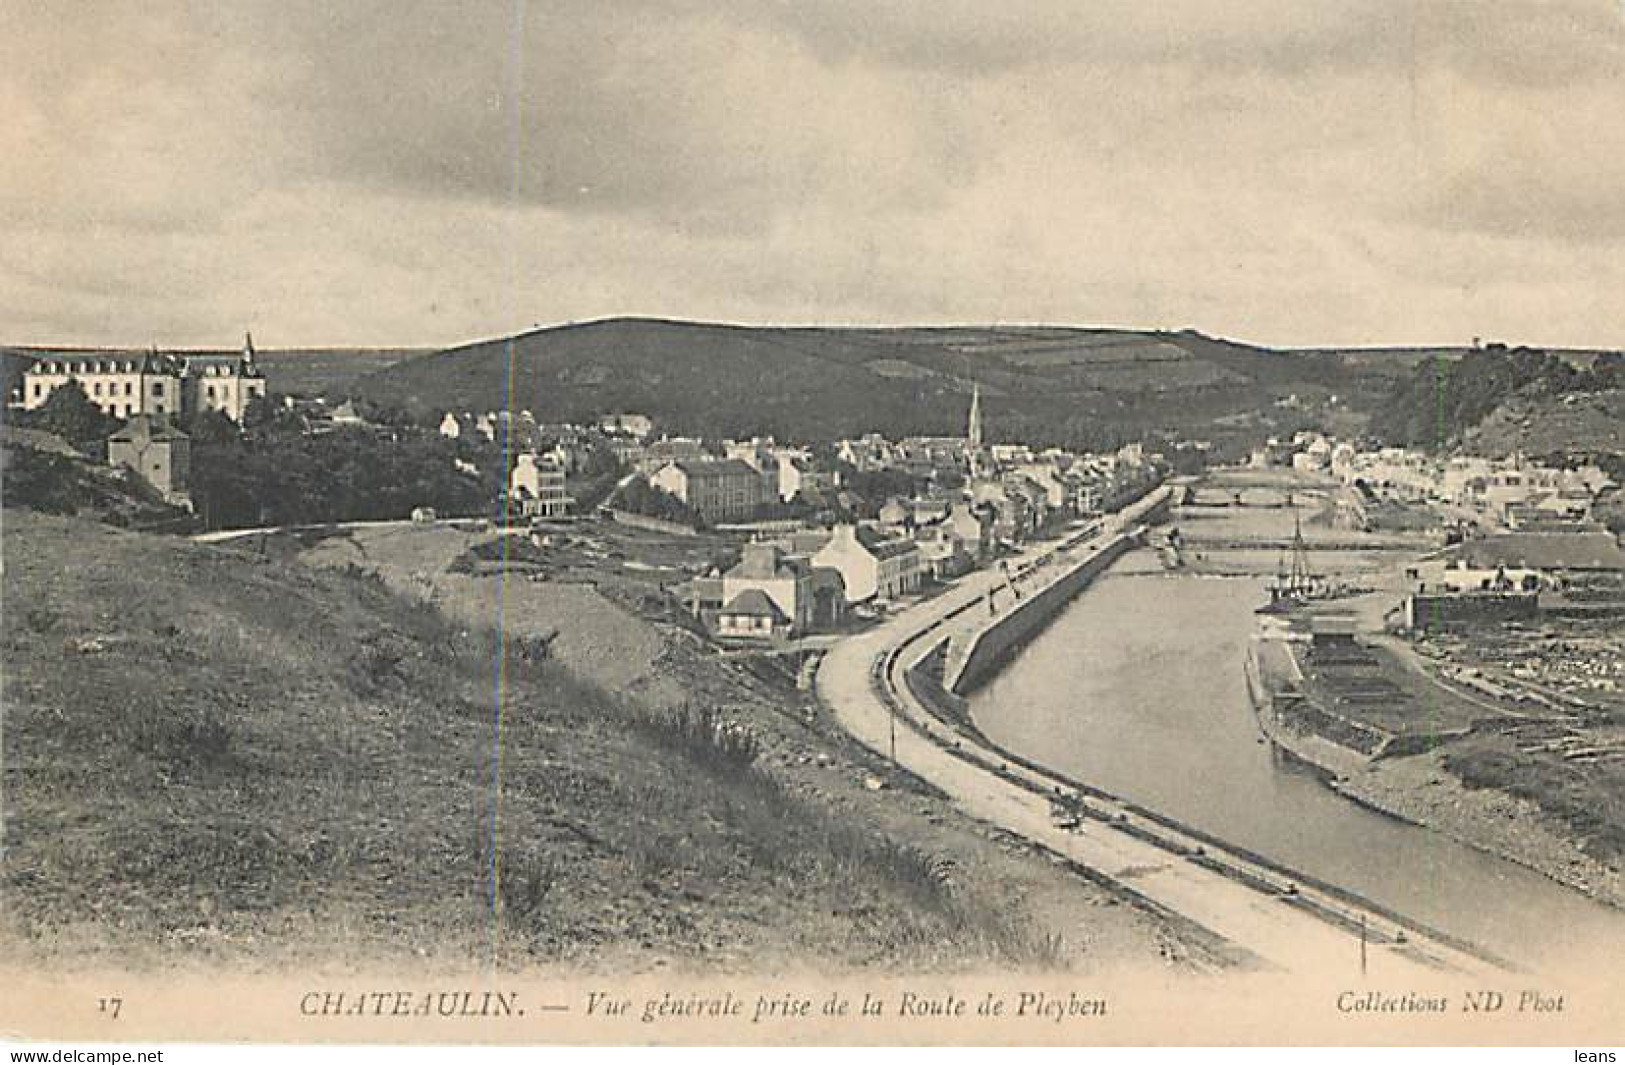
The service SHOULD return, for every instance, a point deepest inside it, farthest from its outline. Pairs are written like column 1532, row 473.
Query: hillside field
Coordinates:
column 1079, row 386
column 214, row 755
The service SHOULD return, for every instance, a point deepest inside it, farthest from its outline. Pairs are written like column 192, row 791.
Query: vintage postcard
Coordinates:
column 632, row 522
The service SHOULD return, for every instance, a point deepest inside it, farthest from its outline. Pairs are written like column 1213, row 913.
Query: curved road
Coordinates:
column 1285, row 924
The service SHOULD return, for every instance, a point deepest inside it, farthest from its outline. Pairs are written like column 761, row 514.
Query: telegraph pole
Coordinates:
column 1362, row 944
column 891, row 720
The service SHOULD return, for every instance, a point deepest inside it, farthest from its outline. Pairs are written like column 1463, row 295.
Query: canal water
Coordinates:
column 1138, row 688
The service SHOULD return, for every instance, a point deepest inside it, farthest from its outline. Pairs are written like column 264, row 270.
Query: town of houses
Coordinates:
column 815, row 552
column 817, row 542
column 1516, row 539
column 826, row 534
column 1510, row 494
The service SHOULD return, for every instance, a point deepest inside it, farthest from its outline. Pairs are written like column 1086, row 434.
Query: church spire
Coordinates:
column 248, row 347
column 973, row 434
column 973, row 431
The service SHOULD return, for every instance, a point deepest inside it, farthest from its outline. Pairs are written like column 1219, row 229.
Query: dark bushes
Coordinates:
column 704, row 736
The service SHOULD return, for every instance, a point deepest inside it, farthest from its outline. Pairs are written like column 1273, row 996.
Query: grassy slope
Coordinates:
column 328, row 371
column 751, row 379
column 823, row 382
column 1542, row 425
column 210, row 754
column 1589, row 798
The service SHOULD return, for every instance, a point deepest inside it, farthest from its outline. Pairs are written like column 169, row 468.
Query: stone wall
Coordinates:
column 924, row 679
column 993, row 645
column 650, row 524
column 1446, row 611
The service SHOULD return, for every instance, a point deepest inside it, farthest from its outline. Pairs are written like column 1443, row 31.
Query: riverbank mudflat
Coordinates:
column 1419, row 789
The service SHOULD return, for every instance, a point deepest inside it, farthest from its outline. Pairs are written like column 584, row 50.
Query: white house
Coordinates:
column 872, row 565
column 786, row 581
column 539, row 484
column 637, row 426
column 752, row 615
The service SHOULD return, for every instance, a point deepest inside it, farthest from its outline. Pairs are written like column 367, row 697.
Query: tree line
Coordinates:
column 271, row 470
column 1443, row 398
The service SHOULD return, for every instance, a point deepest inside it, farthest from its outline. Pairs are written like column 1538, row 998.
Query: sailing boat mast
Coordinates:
column 1301, row 582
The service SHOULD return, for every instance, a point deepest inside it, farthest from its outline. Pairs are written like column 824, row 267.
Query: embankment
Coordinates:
column 1039, row 588
column 993, row 645
column 1418, row 789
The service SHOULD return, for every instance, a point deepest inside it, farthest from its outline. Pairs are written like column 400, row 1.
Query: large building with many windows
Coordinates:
column 727, row 490
column 125, row 384
column 539, row 485
column 223, row 382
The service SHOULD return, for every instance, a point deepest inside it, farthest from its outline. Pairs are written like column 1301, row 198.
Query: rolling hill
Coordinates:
column 1496, row 400
column 1083, row 387
column 1067, row 385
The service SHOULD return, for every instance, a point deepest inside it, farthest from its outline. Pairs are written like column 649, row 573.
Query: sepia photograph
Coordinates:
column 812, row 522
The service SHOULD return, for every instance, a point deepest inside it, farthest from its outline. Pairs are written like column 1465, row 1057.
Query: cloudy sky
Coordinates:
column 427, row 171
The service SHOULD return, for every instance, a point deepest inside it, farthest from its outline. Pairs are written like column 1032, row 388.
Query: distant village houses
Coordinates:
column 636, row 426
column 788, row 473
column 1509, row 493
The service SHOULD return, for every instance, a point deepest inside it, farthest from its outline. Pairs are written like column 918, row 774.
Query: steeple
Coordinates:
column 973, row 431
column 248, row 348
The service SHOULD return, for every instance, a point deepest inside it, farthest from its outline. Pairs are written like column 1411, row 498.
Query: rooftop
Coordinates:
column 1545, row 550
column 754, row 602
column 133, row 361
column 882, row 546
column 144, row 427
column 717, row 468
column 764, row 561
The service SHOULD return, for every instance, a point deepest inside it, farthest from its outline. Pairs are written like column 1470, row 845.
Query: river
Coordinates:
column 1138, row 688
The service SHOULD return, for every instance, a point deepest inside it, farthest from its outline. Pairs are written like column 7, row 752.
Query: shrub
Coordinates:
column 377, row 665
column 42, row 481
column 39, row 619
column 508, row 550
column 525, row 890
column 706, row 737
column 180, row 735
